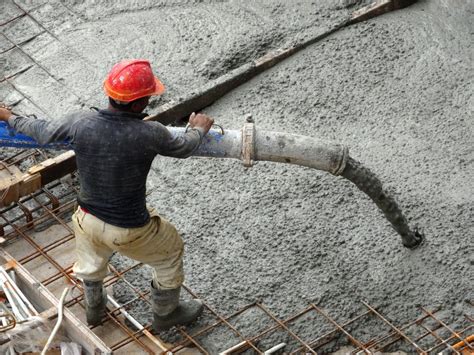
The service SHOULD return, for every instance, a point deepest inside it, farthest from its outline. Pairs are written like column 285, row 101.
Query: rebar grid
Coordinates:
column 54, row 203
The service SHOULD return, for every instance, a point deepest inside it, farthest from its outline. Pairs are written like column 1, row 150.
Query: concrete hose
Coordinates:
column 251, row 145
column 368, row 183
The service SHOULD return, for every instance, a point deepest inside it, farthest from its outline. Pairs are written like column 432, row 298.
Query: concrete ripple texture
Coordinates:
column 398, row 90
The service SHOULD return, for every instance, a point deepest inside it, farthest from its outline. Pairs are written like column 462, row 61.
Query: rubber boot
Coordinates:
column 169, row 311
column 96, row 299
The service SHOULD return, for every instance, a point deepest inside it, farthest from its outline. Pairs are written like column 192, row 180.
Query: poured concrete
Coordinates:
column 397, row 90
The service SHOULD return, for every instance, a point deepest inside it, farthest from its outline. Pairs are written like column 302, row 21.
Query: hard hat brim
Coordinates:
column 159, row 87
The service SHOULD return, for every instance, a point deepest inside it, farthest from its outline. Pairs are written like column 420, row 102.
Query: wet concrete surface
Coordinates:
column 189, row 42
column 397, row 90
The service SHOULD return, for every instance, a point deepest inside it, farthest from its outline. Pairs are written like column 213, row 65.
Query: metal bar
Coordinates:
column 460, row 345
column 341, row 328
column 19, row 153
column 192, row 340
column 118, row 274
column 53, row 215
column 53, row 199
column 155, row 341
column 107, row 283
column 127, row 340
column 61, row 209
column 47, row 247
column 222, row 319
column 12, row 234
column 121, row 276
column 447, row 327
column 124, row 328
column 375, row 343
column 398, row 331
column 436, row 336
column 54, row 244
column 13, row 19
column 331, row 332
column 6, row 167
column 80, row 297
column 263, row 308
column 57, row 276
column 6, row 78
column 452, row 337
column 208, row 328
column 27, row 213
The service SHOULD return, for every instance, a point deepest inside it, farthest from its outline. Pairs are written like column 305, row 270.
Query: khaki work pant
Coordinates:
column 157, row 244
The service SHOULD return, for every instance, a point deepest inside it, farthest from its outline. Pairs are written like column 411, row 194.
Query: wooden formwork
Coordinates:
column 47, row 304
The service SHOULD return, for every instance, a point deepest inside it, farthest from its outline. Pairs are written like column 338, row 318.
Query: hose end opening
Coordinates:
column 416, row 238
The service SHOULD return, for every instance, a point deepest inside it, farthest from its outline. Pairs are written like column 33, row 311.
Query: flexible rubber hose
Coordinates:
column 368, row 183
column 59, row 321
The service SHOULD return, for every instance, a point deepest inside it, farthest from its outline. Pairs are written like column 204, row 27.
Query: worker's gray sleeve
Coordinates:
column 44, row 131
column 177, row 145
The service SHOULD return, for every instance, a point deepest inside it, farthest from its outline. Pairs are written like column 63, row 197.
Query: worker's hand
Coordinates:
column 5, row 114
column 202, row 121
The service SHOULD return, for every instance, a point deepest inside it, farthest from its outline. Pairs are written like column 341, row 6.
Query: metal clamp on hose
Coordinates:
column 248, row 143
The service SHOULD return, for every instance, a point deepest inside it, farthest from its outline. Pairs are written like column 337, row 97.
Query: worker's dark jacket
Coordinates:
column 114, row 152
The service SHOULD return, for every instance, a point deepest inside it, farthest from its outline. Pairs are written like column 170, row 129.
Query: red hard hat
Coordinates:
column 132, row 79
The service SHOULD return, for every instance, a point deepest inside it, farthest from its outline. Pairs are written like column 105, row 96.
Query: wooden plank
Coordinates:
column 10, row 178
column 9, row 175
column 42, row 298
column 55, row 168
column 28, row 184
column 14, row 188
column 377, row 8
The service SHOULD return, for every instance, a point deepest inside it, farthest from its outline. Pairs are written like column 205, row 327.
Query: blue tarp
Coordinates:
column 10, row 138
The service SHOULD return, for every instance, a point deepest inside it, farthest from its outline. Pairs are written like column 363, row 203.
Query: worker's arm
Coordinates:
column 42, row 131
column 182, row 146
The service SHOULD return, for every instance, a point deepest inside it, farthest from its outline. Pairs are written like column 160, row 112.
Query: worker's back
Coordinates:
column 114, row 152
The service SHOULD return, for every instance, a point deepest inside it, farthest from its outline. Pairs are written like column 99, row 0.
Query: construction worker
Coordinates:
column 114, row 151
